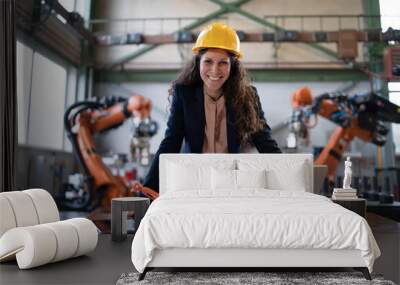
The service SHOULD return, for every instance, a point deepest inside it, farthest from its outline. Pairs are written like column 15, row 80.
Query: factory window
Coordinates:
column 71, row 97
column 41, row 93
column 80, row 6
column 47, row 102
column 389, row 18
column 394, row 97
column 24, row 72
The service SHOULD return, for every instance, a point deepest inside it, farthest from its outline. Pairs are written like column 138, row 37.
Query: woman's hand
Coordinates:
column 148, row 192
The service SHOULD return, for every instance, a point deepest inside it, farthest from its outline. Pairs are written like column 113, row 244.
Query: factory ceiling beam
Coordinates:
column 264, row 75
column 235, row 9
column 292, row 36
column 193, row 25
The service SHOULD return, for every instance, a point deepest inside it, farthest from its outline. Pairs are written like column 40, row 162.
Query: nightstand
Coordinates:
column 119, row 209
column 358, row 205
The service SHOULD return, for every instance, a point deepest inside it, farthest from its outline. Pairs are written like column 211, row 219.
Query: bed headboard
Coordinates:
column 286, row 162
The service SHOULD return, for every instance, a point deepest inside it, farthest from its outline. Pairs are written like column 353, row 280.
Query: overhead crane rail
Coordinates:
column 293, row 28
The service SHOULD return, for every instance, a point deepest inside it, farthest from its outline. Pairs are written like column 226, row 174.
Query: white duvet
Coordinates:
column 251, row 218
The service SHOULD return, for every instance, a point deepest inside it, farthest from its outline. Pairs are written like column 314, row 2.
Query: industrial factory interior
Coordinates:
column 200, row 141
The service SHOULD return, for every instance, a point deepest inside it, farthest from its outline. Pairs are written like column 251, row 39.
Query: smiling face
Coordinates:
column 215, row 67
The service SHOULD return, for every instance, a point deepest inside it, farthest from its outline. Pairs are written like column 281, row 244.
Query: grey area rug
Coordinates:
column 269, row 278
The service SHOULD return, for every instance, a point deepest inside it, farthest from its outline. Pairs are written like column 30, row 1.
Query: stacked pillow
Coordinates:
column 281, row 174
column 236, row 174
column 236, row 179
column 194, row 175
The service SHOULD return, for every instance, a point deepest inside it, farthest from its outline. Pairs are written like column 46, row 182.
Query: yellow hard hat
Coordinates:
column 218, row 35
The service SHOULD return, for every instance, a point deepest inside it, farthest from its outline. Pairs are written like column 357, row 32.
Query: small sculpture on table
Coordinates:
column 347, row 174
column 346, row 192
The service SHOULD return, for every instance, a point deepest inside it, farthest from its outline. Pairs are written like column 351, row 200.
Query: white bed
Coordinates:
column 247, row 210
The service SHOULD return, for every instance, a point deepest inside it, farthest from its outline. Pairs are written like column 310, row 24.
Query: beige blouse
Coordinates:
column 215, row 133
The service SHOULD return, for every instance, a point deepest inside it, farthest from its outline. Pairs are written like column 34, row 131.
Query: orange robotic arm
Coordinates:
column 93, row 118
column 359, row 116
column 137, row 105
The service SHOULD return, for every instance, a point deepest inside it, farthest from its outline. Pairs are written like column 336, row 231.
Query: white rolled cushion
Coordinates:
column 7, row 218
column 33, row 246
column 23, row 208
column 40, row 244
column 87, row 235
column 251, row 178
column 223, row 179
column 182, row 177
column 45, row 206
column 66, row 238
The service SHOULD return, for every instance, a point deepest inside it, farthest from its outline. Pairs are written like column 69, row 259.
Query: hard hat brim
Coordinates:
column 197, row 49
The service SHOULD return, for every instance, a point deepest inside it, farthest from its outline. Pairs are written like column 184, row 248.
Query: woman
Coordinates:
column 213, row 106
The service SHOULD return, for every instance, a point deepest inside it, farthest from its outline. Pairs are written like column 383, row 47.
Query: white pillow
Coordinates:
column 280, row 180
column 188, row 177
column 192, row 172
column 283, row 172
column 223, row 179
column 235, row 179
column 251, row 178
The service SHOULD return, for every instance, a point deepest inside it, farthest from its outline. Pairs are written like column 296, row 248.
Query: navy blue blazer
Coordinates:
column 187, row 121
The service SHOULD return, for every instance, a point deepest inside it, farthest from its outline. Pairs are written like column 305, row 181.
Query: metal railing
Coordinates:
column 321, row 22
column 157, row 24
column 162, row 25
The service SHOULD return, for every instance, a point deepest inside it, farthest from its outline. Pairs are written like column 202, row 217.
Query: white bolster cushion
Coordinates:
column 24, row 211
column 87, row 235
column 40, row 244
column 33, row 246
column 26, row 208
column 46, row 208
column 66, row 238
column 7, row 219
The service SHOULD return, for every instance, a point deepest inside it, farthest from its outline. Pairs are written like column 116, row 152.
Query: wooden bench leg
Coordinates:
column 364, row 271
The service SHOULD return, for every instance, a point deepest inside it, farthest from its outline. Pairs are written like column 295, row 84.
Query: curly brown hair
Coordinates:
column 238, row 92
